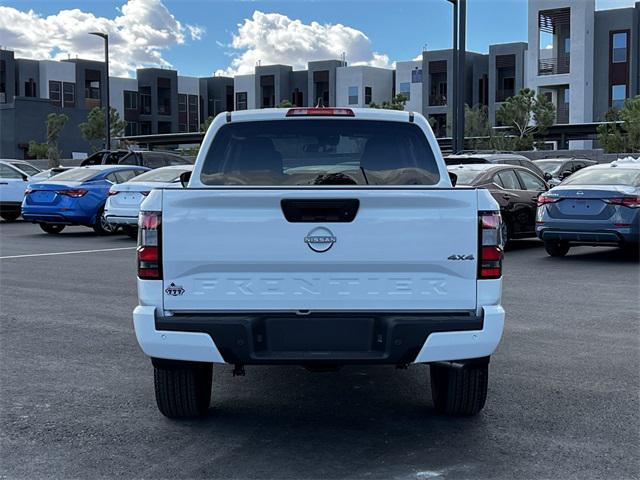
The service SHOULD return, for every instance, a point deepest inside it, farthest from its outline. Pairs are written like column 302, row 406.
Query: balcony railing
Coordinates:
column 437, row 100
column 502, row 95
column 562, row 114
column 555, row 65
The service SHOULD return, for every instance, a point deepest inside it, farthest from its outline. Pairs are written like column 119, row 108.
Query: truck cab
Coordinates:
column 319, row 237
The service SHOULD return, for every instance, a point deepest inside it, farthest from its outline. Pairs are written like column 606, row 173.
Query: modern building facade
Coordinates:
column 585, row 61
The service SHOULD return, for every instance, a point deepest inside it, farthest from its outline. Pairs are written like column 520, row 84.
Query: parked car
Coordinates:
column 151, row 159
column 319, row 237
column 75, row 197
column 516, row 190
column 599, row 205
column 557, row 169
column 15, row 175
column 46, row 174
column 497, row 157
column 123, row 204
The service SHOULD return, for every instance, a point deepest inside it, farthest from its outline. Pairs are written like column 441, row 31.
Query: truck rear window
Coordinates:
column 320, row 152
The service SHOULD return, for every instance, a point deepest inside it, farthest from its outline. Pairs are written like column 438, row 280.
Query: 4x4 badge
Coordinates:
column 174, row 290
column 460, row 257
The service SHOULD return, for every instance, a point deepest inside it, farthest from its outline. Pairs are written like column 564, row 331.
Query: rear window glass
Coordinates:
column 466, row 177
column 320, row 152
column 549, row 167
column 77, row 174
column 26, row 168
column 465, row 160
column 600, row 176
column 160, row 175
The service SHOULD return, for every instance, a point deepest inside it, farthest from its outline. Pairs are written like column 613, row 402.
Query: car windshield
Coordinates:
column 550, row 167
column 466, row 176
column 76, row 175
column 160, row 175
column 609, row 176
column 320, row 152
column 26, row 168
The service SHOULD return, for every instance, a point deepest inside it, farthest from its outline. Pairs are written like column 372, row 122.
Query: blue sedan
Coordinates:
column 598, row 205
column 75, row 197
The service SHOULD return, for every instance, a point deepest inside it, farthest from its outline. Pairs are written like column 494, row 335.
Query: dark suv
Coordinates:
column 502, row 158
column 144, row 158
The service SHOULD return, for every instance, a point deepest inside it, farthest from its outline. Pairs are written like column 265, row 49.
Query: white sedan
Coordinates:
column 15, row 175
column 124, row 200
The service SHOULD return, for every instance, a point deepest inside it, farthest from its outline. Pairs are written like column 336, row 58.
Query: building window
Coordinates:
column 353, row 95
column 69, row 94
column 3, row 81
column 405, row 89
column 618, row 96
column 367, row 95
column 130, row 100
column 30, row 88
column 241, row 100
column 182, row 112
column 164, row 96
column 145, row 128
column 619, row 43
column 131, row 129
column 55, row 93
column 193, row 115
column 416, row 75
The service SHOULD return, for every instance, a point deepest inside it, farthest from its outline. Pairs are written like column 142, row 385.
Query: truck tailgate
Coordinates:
column 233, row 249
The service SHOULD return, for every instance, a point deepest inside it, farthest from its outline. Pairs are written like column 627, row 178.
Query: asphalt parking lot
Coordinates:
column 77, row 393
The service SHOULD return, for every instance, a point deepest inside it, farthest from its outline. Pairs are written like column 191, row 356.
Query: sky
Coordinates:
column 225, row 37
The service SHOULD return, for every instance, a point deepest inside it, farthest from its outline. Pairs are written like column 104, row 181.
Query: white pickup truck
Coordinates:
column 319, row 237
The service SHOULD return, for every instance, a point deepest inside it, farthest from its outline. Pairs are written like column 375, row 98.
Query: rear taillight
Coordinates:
column 112, row 193
column 74, row 193
column 544, row 199
column 631, row 202
column 320, row 112
column 149, row 246
column 490, row 252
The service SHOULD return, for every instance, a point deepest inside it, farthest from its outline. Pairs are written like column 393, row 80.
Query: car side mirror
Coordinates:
column 454, row 179
column 184, row 179
column 547, row 176
column 565, row 174
column 25, row 178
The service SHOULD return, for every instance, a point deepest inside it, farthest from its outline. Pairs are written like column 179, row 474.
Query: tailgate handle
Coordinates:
column 320, row 210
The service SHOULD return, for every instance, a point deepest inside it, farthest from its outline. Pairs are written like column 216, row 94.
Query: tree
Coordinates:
column 285, row 104
column 527, row 114
column 397, row 103
column 38, row 150
column 93, row 129
column 205, row 126
column 55, row 124
column 618, row 138
column 476, row 124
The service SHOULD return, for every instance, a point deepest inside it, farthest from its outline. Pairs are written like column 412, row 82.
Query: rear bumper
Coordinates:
column 613, row 236
column 119, row 220
column 337, row 338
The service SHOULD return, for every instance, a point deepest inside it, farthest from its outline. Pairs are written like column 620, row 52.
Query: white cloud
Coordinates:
column 273, row 38
column 138, row 35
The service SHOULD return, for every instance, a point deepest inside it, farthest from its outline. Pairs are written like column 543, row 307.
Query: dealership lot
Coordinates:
column 77, row 393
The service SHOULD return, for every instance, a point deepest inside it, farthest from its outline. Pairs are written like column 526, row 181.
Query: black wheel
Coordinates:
column 459, row 390
column 504, row 234
column 556, row 248
column 183, row 389
column 131, row 232
column 102, row 226
column 51, row 228
column 10, row 216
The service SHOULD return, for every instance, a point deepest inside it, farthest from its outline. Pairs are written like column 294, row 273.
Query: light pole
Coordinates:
column 106, row 67
column 459, row 57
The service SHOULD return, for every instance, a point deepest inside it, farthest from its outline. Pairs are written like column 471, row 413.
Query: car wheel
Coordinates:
column 504, row 234
column 102, row 225
column 131, row 232
column 10, row 216
column 183, row 389
column 556, row 248
column 51, row 228
column 459, row 390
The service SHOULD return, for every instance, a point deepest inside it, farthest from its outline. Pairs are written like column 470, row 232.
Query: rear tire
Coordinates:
column 183, row 389
column 556, row 248
column 504, row 235
column 102, row 226
column 51, row 228
column 10, row 216
column 460, row 391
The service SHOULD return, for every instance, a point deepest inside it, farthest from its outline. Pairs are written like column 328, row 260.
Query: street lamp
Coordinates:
column 459, row 57
column 106, row 66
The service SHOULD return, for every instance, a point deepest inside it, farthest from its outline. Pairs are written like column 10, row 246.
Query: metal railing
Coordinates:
column 437, row 100
column 562, row 114
column 502, row 95
column 554, row 65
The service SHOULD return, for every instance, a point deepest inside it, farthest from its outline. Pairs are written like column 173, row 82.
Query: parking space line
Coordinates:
column 66, row 253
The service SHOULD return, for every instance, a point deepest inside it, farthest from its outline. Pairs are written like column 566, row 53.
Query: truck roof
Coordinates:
column 284, row 114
